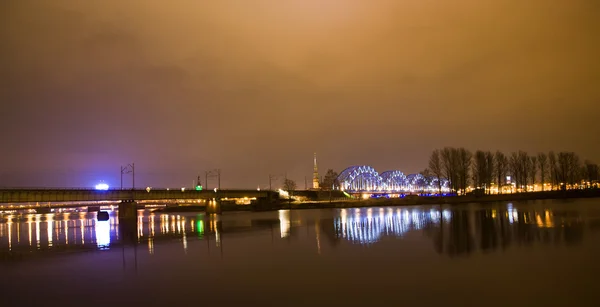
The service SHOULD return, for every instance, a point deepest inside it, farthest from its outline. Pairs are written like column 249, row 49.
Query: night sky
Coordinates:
column 255, row 87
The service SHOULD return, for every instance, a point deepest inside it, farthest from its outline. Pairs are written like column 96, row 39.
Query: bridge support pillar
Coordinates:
column 127, row 209
column 213, row 207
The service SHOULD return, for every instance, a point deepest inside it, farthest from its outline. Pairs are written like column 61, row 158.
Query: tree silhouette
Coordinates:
column 330, row 180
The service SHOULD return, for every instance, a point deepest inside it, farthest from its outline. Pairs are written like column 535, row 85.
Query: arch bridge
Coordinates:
column 364, row 178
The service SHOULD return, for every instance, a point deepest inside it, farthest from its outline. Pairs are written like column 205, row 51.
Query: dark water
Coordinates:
column 519, row 254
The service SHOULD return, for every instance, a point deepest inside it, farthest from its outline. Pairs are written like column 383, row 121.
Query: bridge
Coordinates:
column 20, row 195
column 364, row 178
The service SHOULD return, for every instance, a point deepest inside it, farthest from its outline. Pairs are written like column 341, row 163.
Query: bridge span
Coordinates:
column 24, row 195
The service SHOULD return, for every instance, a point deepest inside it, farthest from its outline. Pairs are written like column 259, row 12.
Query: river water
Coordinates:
column 520, row 254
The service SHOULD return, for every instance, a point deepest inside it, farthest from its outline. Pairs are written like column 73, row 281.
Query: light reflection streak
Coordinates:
column 66, row 232
column 151, row 230
column 367, row 229
column 140, row 227
column 29, row 225
column 50, row 223
column 151, row 245
column 173, row 224
column 318, row 234
column 9, row 225
column 82, row 228
column 103, row 234
column 284, row 223
column 37, row 231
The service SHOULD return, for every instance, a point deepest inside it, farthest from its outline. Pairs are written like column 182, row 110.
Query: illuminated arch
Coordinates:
column 364, row 178
column 433, row 185
column 394, row 181
column 360, row 178
column 417, row 182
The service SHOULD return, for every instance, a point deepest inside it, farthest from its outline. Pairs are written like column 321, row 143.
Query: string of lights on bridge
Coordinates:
column 365, row 178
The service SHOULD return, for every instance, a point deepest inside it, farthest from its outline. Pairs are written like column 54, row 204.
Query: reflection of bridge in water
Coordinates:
column 452, row 231
column 39, row 233
column 455, row 231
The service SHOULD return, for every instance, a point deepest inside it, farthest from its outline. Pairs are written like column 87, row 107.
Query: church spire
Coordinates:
column 315, row 174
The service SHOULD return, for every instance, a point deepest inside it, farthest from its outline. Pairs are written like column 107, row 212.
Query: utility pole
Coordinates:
column 219, row 178
column 206, row 179
column 213, row 173
column 305, row 183
column 129, row 168
column 271, row 177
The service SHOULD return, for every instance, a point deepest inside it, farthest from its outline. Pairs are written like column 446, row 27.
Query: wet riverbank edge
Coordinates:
column 384, row 202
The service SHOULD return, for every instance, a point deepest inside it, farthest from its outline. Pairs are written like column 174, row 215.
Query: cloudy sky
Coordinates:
column 255, row 87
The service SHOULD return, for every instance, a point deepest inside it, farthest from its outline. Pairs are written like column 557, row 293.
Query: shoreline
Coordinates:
column 396, row 202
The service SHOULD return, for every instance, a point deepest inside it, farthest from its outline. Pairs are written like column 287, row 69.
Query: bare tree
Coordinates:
column 464, row 166
column 533, row 169
column 515, row 171
column 591, row 171
column 436, row 167
column 542, row 161
column 450, row 166
column 524, row 168
column 501, row 163
column 330, row 181
column 479, row 169
column 489, row 173
column 483, row 169
column 289, row 185
column 568, row 168
column 553, row 167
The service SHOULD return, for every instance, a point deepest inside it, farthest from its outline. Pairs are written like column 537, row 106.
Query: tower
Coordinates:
column 315, row 175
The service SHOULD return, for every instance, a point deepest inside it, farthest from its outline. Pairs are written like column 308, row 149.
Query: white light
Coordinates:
column 182, row 189
column 102, row 186
column 103, row 234
column 215, row 190
column 148, row 189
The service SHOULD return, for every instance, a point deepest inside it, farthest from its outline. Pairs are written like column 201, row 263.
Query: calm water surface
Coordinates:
column 521, row 254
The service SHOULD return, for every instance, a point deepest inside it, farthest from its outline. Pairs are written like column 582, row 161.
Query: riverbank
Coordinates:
column 406, row 201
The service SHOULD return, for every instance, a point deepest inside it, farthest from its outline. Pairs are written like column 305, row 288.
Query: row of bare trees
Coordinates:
column 485, row 168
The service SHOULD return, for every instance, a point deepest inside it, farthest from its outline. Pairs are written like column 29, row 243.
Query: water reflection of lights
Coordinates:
column 447, row 215
column 284, row 223
column 82, row 226
column 29, row 225
column 364, row 228
column 512, row 214
column 103, row 234
column 369, row 229
column 9, row 224
column 50, row 227
column 37, row 231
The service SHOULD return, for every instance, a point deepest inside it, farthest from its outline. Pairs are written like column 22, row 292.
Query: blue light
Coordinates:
column 102, row 186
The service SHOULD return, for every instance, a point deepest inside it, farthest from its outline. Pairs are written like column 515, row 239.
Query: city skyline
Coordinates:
column 255, row 89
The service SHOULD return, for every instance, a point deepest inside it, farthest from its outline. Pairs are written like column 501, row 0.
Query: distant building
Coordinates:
column 315, row 174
